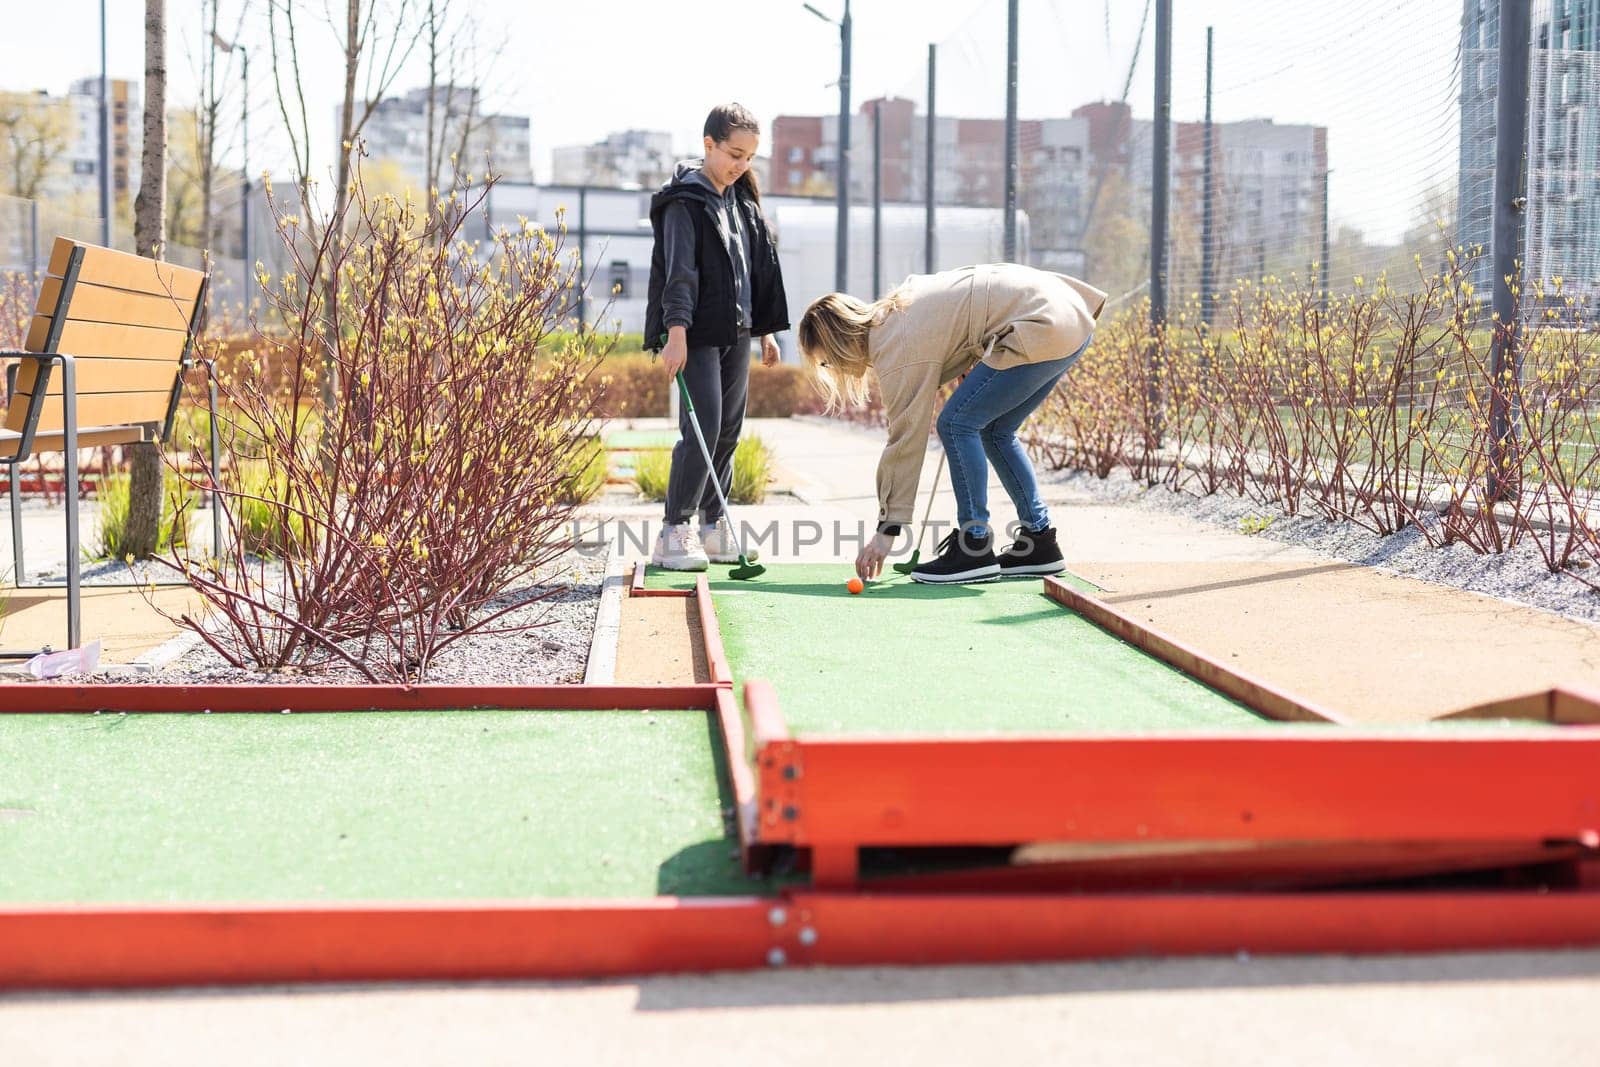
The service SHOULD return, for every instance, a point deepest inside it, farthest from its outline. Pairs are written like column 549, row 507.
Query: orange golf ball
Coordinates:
column 855, row 585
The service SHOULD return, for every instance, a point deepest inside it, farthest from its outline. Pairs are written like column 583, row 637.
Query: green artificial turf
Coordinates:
column 361, row 806
column 905, row 658
column 636, row 440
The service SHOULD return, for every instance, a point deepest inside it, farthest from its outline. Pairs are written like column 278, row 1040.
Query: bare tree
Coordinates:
column 149, row 228
column 35, row 134
column 376, row 38
column 458, row 69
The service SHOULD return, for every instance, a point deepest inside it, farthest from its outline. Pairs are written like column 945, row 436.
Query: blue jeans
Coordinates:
column 981, row 419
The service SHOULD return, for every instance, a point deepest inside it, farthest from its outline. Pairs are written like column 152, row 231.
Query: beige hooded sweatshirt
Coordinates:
column 948, row 322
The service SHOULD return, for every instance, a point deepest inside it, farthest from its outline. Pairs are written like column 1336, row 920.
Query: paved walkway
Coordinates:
column 128, row 623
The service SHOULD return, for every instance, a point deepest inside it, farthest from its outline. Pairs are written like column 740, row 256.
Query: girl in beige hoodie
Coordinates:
column 1013, row 331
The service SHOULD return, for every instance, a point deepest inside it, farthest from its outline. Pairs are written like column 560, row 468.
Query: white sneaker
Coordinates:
column 678, row 549
column 719, row 543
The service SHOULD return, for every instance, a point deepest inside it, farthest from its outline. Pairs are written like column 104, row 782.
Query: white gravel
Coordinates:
column 547, row 643
column 1518, row 575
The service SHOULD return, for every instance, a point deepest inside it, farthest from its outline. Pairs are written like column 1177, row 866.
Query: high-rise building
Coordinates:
column 126, row 123
column 630, row 159
column 1094, row 163
column 63, row 133
column 1561, row 235
column 397, row 132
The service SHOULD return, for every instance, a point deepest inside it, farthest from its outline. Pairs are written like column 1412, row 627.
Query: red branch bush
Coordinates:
column 407, row 466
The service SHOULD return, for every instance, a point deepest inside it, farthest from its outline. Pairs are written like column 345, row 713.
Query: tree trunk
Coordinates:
column 145, row 478
column 341, row 194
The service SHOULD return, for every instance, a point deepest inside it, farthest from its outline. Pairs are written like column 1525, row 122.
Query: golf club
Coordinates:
column 745, row 570
column 916, row 556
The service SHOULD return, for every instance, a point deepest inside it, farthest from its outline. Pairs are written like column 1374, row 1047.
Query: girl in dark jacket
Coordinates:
column 714, row 284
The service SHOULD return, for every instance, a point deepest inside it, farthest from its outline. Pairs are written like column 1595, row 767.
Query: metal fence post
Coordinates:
column 1011, row 133
column 932, row 135
column 1510, row 202
column 1159, row 195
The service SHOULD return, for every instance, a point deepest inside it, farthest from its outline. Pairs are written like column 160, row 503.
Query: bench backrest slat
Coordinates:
column 124, row 270
column 126, row 324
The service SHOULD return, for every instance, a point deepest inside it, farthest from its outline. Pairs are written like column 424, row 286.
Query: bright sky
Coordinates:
column 1378, row 73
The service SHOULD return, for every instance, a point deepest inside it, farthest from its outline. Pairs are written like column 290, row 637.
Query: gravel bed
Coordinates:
column 547, row 643
column 1518, row 575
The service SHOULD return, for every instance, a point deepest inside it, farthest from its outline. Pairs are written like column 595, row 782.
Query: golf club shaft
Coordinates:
column 927, row 513
column 694, row 424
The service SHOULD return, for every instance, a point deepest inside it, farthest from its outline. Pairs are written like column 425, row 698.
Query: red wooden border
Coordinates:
column 711, row 633
column 741, row 777
column 855, row 929
column 28, row 698
column 1333, row 788
column 89, row 947
column 1563, row 706
column 175, row 945
column 1258, row 695
column 636, row 586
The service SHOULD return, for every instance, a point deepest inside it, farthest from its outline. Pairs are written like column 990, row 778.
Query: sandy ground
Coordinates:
column 660, row 642
column 1372, row 646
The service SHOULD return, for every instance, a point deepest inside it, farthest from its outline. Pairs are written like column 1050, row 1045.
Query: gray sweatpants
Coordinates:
column 719, row 384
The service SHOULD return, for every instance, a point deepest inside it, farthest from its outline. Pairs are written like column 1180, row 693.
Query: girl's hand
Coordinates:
column 769, row 351
column 675, row 355
column 869, row 564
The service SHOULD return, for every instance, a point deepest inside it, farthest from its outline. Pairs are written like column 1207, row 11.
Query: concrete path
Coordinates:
column 128, row 623
column 1476, row 1010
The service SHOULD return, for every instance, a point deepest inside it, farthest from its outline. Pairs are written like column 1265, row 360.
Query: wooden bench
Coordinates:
column 103, row 364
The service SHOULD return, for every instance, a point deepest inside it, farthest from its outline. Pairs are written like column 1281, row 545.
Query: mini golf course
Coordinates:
column 910, row 659
column 425, row 805
column 913, row 774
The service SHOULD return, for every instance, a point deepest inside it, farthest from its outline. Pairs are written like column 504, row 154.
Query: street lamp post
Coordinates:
column 105, row 138
column 841, row 262
column 244, row 140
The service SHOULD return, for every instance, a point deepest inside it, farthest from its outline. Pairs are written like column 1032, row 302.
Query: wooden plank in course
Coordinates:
column 106, row 409
column 100, row 303
column 122, row 270
column 116, row 375
column 88, row 340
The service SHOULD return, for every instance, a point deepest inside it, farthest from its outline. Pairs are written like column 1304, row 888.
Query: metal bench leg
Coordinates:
column 216, row 479
column 16, row 523
column 69, row 406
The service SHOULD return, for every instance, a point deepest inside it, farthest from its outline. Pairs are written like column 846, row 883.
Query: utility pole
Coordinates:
column 105, row 138
column 1208, row 261
column 1011, row 133
column 928, row 257
column 877, row 199
column 1510, row 202
column 841, row 232
column 1161, row 163
column 227, row 47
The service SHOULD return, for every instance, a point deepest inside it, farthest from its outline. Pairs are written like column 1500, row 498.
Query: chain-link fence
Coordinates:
column 29, row 228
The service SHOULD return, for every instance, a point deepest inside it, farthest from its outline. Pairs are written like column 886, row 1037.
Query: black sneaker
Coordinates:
column 1032, row 555
column 963, row 557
